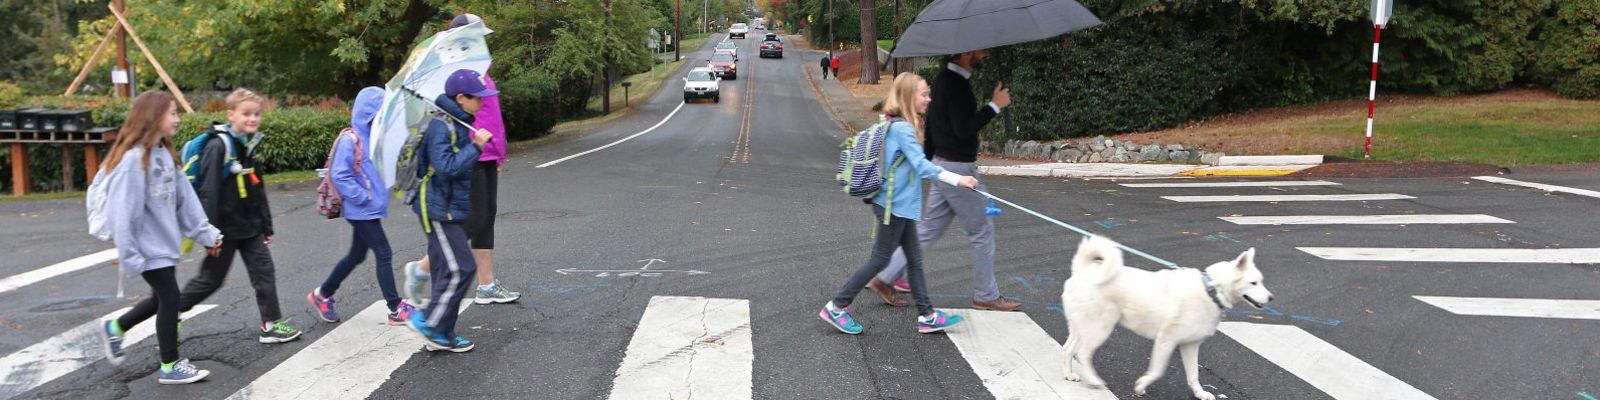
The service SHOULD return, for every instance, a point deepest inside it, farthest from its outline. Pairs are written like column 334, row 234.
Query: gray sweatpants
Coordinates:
column 943, row 204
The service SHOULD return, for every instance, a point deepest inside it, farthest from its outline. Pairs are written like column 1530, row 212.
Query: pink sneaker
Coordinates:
column 902, row 285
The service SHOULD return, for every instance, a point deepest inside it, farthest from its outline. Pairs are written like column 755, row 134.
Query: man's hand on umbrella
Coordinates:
column 481, row 136
column 1002, row 95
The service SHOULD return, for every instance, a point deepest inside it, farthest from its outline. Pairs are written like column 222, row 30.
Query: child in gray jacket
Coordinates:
column 150, row 209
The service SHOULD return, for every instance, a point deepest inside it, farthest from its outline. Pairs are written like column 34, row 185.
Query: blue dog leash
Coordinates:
column 1157, row 260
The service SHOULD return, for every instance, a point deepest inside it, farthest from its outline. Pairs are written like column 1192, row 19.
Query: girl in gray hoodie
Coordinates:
column 150, row 209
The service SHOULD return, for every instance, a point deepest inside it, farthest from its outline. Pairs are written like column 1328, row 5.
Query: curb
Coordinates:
column 1270, row 160
column 1111, row 170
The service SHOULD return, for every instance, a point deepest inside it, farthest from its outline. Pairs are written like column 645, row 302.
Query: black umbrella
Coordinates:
column 959, row 26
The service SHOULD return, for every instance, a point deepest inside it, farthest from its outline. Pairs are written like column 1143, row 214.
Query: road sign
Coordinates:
column 1381, row 11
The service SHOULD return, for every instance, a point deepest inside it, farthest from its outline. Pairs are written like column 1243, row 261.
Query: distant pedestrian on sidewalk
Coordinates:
column 907, row 99
column 366, row 204
column 835, row 64
column 954, row 119
column 485, row 203
column 149, row 209
column 827, row 63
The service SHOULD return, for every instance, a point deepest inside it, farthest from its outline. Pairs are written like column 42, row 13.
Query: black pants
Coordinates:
column 485, row 195
column 213, row 271
column 899, row 233
column 366, row 235
column 165, row 304
column 447, row 248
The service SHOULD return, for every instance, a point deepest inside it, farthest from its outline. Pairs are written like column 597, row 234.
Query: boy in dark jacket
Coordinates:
column 449, row 151
column 235, row 201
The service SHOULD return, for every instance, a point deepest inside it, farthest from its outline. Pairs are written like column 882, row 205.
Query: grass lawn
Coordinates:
column 291, row 177
column 1509, row 128
column 644, row 85
column 886, row 44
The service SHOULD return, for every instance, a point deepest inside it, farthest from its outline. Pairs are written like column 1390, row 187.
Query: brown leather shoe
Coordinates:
column 889, row 296
column 998, row 304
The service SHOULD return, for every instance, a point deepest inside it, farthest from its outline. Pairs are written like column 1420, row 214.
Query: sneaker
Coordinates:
column 418, row 322
column 417, row 284
column 937, row 322
column 496, row 294
column 401, row 313
column 840, row 319
column 182, row 373
column 902, row 285
column 460, row 345
column 111, row 343
column 324, row 306
column 279, row 332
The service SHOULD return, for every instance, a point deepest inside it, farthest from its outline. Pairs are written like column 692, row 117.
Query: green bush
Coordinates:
column 10, row 95
column 1567, row 55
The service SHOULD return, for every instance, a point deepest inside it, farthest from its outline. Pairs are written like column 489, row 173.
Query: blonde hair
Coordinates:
column 902, row 100
column 241, row 95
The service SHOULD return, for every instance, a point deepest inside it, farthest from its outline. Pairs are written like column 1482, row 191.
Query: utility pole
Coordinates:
column 605, row 68
column 124, row 90
column 829, row 14
column 677, row 31
column 705, row 16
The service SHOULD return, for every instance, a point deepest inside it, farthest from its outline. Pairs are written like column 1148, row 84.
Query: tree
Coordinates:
column 869, row 43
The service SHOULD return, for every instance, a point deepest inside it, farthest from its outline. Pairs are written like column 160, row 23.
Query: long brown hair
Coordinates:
column 143, row 129
column 902, row 100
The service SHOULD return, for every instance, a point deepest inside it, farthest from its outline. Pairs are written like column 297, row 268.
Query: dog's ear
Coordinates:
column 1247, row 258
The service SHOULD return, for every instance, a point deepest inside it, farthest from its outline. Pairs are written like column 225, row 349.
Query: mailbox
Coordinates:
column 65, row 121
column 8, row 119
column 28, row 119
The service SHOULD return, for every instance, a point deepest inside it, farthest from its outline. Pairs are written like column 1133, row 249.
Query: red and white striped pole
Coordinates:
column 1381, row 10
column 1372, row 89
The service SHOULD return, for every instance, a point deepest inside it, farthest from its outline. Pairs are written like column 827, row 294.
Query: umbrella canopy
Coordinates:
column 959, row 26
column 408, row 97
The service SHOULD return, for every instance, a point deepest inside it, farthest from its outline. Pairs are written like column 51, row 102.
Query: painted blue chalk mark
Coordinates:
column 1324, row 321
column 1108, row 223
column 1586, row 396
column 1220, row 238
column 1025, row 285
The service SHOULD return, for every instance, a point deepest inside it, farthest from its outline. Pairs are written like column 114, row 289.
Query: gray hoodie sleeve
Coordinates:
column 125, row 202
column 192, row 217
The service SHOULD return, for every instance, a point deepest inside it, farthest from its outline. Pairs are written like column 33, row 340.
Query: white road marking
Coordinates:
column 1339, row 374
column 1540, row 186
column 1015, row 358
column 1399, row 219
column 689, row 346
column 1530, row 308
column 1288, row 197
column 69, row 351
column 17, row 281
column 351, row 362
column 641, row 133
column 1228, row 184
column 1532, row 256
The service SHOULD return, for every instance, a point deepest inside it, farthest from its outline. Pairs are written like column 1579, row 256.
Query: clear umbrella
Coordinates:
column 408, row 97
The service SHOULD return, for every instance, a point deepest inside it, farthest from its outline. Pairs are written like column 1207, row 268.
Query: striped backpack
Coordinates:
column 862, row 170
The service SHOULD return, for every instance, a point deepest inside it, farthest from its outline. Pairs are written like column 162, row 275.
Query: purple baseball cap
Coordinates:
column 467, row 82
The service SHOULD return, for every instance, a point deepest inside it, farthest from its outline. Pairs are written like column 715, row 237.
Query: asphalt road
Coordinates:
column 743, row 190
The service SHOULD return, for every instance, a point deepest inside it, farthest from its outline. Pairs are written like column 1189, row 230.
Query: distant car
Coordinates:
column 772, row 48
column 730, row 47
column 724, row 65
column 738, row 31
column 771, row 37
column 702, row 83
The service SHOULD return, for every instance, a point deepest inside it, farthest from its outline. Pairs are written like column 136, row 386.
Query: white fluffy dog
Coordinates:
column 1176, row 308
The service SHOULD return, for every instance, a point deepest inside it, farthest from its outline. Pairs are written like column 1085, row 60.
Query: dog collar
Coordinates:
column 1211, row 290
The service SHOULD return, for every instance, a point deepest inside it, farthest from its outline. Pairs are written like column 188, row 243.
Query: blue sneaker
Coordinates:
column 840, row 319
column 111, row 343
column 438, row 343
column 182, row 373
column 937, row 322
column 418, row 322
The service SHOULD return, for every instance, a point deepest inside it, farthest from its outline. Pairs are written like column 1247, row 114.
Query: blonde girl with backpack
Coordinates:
column 907, row 100
column 364, row 203
column 149, row 209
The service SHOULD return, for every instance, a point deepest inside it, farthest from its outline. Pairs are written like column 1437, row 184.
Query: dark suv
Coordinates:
column 772, row 48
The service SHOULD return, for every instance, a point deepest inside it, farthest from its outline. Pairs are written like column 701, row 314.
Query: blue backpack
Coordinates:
column 196, row 146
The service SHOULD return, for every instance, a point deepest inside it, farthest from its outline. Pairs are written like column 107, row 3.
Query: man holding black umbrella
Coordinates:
column 954, row 119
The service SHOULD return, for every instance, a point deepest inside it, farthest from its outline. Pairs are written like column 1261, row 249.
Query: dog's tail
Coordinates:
column 1098, row 260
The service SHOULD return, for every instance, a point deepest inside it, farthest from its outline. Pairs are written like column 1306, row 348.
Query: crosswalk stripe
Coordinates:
column 1540, row 186
column 679, row 350
column 1504, row 307
column 1533, row 256
column 1339, row 374
column 1288, row 197
column 1399, row 219
column 1015, row 358
column 351, row 362
column 69, row 351
column 1227, row 184
column 17, row 281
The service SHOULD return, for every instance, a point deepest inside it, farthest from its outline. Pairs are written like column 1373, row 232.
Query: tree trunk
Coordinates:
column 605, row 72
column 869, row 43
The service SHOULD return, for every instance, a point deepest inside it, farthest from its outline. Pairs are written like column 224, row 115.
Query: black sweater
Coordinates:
column 238, row 217
column 954, row 119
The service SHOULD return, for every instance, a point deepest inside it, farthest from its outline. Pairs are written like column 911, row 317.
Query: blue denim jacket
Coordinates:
column 902, row 151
